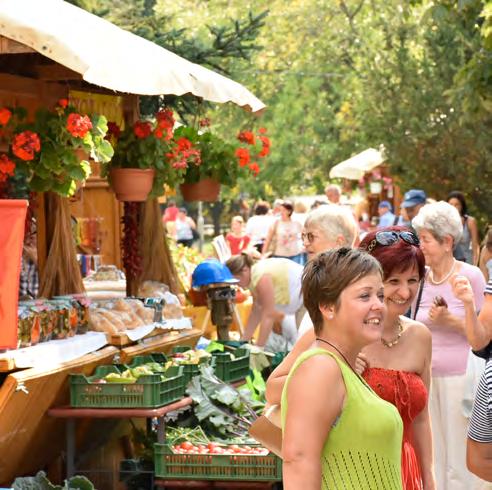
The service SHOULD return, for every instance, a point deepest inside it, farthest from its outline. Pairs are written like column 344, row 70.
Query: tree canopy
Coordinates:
column 341, row 76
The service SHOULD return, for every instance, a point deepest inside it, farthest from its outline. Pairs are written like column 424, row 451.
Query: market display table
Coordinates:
column 70, row 414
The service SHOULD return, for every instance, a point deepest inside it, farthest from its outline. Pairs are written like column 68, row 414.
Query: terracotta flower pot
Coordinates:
column 131, row 184
column 204, row 190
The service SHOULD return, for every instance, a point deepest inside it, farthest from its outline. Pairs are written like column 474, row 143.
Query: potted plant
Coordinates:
column 147, row 156
column 221, row 162
column 50, row 152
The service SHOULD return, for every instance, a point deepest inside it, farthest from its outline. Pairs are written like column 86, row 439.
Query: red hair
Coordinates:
column 398, row 257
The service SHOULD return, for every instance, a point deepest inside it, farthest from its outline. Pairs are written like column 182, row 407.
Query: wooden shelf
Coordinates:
column 121, row 339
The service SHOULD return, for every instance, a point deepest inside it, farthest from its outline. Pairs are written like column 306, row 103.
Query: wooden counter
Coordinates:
column 29, row 438
column 161, row 343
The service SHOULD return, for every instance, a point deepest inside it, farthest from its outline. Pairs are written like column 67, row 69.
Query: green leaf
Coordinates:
column 79, row 482
column 40, row 184
column 78, row 172
column 38, row 482
column 99, row 124
column 103, row 152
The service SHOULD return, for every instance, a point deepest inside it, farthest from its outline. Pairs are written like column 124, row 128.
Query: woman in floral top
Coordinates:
column 285, row 234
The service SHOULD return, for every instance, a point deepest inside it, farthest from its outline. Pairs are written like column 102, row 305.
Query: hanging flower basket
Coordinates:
column 204, row 190
column 131, row 184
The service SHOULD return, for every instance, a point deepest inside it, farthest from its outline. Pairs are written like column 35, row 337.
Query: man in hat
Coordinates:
column 413, row 200
column 386, row 217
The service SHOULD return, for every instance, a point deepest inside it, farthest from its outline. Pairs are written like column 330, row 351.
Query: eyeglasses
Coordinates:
column 310, row 237
column 387, row 238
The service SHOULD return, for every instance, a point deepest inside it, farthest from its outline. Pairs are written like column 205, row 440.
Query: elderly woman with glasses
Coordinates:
column 327, row 227
column 396, row 367
column 439, row 227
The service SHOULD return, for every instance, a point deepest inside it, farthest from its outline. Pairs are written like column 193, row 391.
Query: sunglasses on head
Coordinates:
column 387, row 238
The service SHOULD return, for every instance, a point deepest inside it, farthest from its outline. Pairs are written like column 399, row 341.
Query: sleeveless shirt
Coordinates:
column 363, row 449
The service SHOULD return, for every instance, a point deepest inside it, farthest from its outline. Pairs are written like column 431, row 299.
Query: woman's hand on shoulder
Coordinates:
column 361, row 363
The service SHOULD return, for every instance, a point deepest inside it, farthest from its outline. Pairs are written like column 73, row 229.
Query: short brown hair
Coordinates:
column 328, row 274
column 238, row 262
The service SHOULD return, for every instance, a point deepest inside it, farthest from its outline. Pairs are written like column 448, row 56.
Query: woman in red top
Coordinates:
column 236, row 238
column 398, row 367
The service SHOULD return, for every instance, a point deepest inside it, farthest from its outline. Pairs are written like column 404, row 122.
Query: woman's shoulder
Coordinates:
column 314, row 360
column 416, row 330
column 472, row 272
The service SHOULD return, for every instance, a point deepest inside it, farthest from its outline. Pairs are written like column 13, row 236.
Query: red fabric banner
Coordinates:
column 12, row 222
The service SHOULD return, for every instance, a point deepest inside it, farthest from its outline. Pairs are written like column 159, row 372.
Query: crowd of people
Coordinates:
column 384, row 327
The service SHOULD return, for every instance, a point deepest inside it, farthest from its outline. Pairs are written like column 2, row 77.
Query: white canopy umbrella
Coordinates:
column 355, row 167
column 111, row 57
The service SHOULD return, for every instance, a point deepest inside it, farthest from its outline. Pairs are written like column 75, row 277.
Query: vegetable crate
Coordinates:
column 230, row 367
column 148, row 391
column 173, row 466
column 190, row 370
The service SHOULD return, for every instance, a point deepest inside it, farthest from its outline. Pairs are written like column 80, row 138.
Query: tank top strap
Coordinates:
column 353, row 382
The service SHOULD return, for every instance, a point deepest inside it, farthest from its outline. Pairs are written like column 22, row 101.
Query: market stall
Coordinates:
column 46, row 65
column 374, row 179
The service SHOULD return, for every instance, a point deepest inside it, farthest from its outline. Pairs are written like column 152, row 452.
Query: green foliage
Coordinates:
column 217, row 157
column 221, row 409
column 339, row 77
column 46, row 151
column 40, row 482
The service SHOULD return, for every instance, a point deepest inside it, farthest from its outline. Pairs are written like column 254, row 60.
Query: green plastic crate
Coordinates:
column 147, row 392
column 190, row 370
column 231, row 369
column 239, row 467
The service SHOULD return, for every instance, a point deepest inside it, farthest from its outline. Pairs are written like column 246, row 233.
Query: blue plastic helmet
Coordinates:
column 211, row 271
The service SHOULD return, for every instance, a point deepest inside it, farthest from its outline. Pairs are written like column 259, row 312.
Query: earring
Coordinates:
column 330, row 316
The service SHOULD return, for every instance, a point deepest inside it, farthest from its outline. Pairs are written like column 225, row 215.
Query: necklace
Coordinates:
column 339, row 351
column 396, row 339
column 446, row 277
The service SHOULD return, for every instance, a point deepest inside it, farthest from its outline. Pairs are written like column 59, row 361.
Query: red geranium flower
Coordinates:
column 184, row 144
column 255, row 168
column 25, row 145
column 63, row 103
column 262, row 130
column 165, row 119
column 7, row 167
column 142, row 129
column 266, row 147
column 113, row 130
column 5, row 116
column 243, row 156
column 246, row 137
column 77, row 125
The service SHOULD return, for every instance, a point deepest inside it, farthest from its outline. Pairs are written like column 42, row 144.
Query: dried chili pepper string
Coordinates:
column 132, row 260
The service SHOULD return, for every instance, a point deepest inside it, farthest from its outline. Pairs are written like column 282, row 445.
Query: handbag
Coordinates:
column 417, row 302
column 266, row 431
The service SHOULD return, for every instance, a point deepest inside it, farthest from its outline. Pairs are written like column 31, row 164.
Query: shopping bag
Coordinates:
column 266, row 430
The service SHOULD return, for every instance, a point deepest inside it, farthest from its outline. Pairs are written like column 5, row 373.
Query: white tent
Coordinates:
column 355, row 167
column 111, row 57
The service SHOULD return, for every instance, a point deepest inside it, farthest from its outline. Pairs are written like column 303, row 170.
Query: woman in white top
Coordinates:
column 276, row 288
column 184, row 227
column 258, row 225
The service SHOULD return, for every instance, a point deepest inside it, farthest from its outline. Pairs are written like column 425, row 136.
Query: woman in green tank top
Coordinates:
column 337, row 433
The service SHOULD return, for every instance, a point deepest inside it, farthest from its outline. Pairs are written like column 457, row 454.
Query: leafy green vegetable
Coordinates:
column 40, row 482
